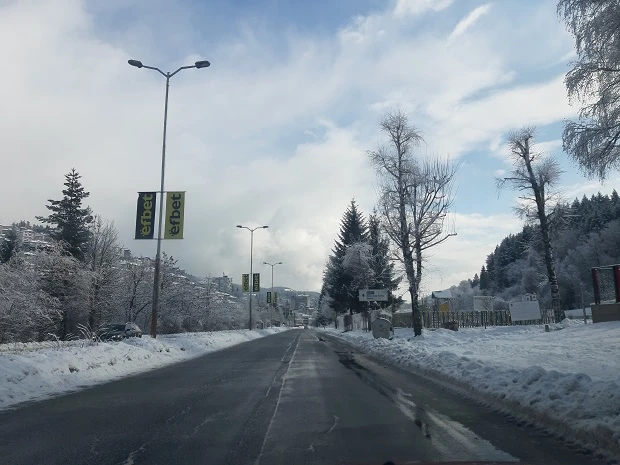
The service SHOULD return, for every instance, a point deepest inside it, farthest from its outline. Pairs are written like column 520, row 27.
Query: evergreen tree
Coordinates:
column 484, row 279
column 337, row 282
column 476, row 281
column 382, row 266
column 70, row 219
column 9, row 245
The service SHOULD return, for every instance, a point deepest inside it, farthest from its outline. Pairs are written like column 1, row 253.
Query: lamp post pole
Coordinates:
column 156, row 276
column 272, row 265
column 251, row 275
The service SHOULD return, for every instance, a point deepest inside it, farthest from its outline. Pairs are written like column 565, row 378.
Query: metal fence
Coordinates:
column 435, row 319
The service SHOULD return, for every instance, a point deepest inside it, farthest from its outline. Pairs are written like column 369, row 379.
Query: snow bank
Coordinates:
column 38, row 370
column 569, row 378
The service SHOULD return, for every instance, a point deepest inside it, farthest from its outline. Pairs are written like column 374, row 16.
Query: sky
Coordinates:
column 276, row 131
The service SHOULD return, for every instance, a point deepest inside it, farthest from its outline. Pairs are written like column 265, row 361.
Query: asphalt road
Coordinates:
column 297, row 397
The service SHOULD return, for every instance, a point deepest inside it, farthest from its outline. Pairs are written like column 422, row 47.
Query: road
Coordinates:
column 297, row 397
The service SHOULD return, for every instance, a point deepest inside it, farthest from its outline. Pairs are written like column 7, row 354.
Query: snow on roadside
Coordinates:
column 569, row 377
column 31, row 372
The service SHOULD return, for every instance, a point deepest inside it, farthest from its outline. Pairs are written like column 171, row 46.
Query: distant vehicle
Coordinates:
column 118, row 331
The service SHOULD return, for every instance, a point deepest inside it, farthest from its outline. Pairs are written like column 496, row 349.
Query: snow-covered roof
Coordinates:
column 442, row 294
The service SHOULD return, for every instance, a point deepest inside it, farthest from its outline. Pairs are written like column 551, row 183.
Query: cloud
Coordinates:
column 274, row 132
column 418, row 7
column 469, row 21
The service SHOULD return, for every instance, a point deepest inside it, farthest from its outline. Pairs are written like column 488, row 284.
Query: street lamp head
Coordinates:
column 279, row 263
column 265, row 263
column 136, row 63
column 265, row 227
column 202, row 64
column 239, row 226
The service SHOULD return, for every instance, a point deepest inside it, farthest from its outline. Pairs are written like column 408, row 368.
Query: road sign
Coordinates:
column 245, row 282
column 373, row 295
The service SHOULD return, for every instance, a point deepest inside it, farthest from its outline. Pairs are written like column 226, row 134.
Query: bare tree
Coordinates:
column 535, row 177
column 102, row 257
column 594, row 140
column 415, row 200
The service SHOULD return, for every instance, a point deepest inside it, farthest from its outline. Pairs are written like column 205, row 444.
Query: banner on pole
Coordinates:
column 275, row 298
column 175, row 208
column 256, row 282
column 145, row 215
column 245, row 282
column 268, row 297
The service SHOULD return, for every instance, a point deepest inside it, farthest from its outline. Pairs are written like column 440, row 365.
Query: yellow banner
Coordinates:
column 175, row 208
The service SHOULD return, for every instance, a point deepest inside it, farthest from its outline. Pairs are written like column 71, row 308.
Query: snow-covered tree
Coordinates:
column 27, row 313
column 10, row 244
column 536, row 177
column 594, row 139
column 70, row 218
column 102, row 258
column 415, row 199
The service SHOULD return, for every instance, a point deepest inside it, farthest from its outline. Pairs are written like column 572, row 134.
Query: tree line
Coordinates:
column 80, row 279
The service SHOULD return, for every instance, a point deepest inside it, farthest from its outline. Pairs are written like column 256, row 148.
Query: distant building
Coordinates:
column 223, row 283
column 302, row 301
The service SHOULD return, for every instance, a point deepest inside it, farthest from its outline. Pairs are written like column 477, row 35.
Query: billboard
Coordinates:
column 527, row 310
column 145, row 215
column 483, row 303
column 175, row 208
column 245, row 282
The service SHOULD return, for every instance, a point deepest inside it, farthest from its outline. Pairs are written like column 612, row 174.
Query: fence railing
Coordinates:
column 435, row 319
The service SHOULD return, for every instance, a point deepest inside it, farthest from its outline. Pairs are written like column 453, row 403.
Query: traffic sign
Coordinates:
column 373, row 295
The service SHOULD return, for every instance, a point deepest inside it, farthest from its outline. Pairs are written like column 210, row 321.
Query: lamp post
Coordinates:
column 168, row 75
column 272, row 265
column 251, row 276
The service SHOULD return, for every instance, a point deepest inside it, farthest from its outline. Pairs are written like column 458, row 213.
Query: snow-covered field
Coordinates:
column 36, row 371
column 567, row 379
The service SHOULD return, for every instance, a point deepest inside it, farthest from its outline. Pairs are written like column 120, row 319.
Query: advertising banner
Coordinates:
column 175, row 207
column 256, row 282
column 145, row 215
column 245, row 282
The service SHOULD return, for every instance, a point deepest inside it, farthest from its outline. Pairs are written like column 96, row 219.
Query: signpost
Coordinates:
column 373, row 295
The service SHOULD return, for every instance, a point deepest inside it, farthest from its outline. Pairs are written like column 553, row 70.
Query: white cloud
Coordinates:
column 469, row 20
column 418, row 7
column 259, row 137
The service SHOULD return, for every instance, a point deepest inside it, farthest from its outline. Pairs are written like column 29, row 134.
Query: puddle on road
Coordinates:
column 452, row 439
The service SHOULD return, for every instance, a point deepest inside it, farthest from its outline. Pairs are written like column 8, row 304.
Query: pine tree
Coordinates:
column 337, row 282
column 475, row 281
column 10, row 245
column 484, row 279
column 71, row 220
column 382, row 266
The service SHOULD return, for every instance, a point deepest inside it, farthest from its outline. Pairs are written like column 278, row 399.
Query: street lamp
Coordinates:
column 168, row 75
column 273, row 303
column 251, row 277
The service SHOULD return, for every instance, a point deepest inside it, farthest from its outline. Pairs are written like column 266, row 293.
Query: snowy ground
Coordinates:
column 567, row 379
column 39, row 370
